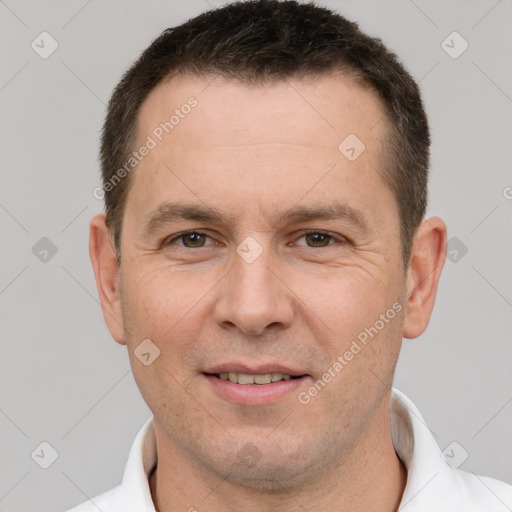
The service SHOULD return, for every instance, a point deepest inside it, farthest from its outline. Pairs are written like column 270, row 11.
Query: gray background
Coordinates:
column 63, row 379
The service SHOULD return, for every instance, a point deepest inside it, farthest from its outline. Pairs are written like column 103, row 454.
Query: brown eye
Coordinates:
column 317, row 239
column 190, row 240
column 193, row 240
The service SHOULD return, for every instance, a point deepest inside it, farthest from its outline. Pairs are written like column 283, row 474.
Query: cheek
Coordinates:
column 361, row 318
column 159, row 297
column 346, row 301
column 164, row 306
column 160, row 305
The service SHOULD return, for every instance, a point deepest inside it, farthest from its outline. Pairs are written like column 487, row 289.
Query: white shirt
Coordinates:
column 432, row 484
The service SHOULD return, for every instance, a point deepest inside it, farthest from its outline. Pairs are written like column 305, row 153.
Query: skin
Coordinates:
column 253, row 152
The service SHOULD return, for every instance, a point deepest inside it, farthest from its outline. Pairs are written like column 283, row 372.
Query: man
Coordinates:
column 263, row 254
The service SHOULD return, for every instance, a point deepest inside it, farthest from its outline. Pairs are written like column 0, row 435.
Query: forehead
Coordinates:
column 320, row 108
column 277, row 140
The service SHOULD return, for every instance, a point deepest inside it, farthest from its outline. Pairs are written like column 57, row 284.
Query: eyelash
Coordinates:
column 341, row 240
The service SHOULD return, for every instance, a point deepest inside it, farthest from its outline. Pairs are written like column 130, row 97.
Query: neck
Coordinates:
column 370, row 477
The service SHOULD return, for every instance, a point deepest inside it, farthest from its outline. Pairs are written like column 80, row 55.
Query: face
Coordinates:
column 255, row 248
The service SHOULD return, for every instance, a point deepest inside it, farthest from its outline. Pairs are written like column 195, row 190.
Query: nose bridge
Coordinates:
column 253, row 298
column 253, row 280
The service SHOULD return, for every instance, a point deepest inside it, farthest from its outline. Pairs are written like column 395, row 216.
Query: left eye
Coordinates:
column 316, row 239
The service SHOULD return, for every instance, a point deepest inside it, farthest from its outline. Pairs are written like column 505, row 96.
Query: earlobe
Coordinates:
column 425, row 265
column 106, row 272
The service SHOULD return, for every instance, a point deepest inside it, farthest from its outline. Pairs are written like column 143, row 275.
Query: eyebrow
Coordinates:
column 335, row 211
column 170, row 212
column 167, row 213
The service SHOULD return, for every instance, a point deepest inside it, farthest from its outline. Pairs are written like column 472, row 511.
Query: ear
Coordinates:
column 425, row 265
column 106, row 271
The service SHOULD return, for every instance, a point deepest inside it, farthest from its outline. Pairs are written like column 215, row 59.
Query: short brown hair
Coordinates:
column 260, row 41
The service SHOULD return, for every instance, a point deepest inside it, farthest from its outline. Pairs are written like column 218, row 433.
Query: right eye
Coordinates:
column 190, row 240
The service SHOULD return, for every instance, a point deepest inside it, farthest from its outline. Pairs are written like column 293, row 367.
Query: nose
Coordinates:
column 254, row 298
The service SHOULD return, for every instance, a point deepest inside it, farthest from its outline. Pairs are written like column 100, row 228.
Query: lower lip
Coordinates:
column 254, row 394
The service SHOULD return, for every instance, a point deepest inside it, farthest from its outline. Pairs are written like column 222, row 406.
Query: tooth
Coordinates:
column 243, row 378
column 263, row 379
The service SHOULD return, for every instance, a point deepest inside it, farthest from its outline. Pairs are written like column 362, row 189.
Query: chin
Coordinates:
column 276, row 467
column 269, row 478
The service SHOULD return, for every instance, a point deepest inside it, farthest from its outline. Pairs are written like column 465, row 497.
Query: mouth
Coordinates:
column 259, row 379
column 264, row 385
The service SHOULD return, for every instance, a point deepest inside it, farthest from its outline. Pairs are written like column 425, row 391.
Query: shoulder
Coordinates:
column 432, row 483
column 477, row 493
column 454, row 490
column 133, row 494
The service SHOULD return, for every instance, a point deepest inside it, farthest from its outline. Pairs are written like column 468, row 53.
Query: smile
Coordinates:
column 254, row 389
column 245, row 378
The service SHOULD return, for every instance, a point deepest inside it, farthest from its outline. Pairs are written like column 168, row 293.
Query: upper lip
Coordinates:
column 253, row 370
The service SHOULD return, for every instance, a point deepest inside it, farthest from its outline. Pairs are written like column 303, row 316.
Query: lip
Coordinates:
column 254, row 394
